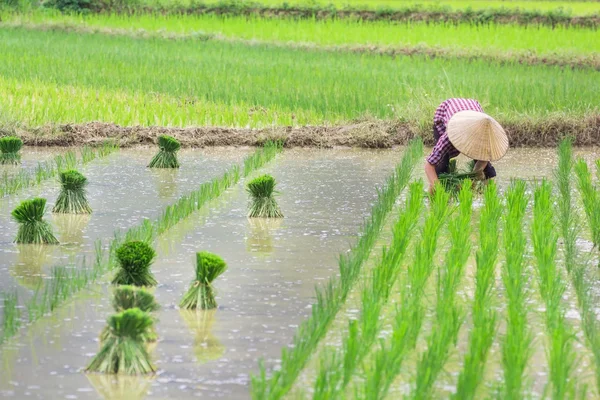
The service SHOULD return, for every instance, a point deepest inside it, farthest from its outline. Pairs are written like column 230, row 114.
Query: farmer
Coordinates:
column 460, row 126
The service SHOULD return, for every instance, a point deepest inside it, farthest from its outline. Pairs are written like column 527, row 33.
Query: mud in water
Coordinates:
column 263, row 296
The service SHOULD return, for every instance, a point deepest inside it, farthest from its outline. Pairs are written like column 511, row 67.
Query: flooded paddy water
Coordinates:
column 263, row 296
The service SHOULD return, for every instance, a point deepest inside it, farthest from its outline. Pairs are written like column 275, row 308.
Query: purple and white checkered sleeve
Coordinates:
column 439, row 151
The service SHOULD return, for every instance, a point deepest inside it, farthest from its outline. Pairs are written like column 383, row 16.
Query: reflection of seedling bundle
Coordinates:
column 206, row 346
column 166, row 157
column 32, row 227
column 262, row 198
column 123, row 351
column 71, row 227
column 166, row 183
column 30, row 260
column 260, row 237
column 134, row 259
column 71, row 199
column 201, row 293
column 121, row 387
column 9, row 150
column 128, row 297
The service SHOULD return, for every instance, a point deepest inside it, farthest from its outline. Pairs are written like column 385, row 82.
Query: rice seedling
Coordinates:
column 590, row 197
column 32, row 227
column 71, row 199
column 135, row 258
column 337, row 365
column 11, row 316
column 485, row 319
column 126, row 297
column 386, row 361
column 207, row 347
column 201, row 292
column 569, row 229
column 453, row 180
column 149, row 89
column 517, row 340
column 9, row 150
column 449, row 315
column 560, row 353
column 262, row 202
column 166, row 157
column 331, row 297
column 123, row 352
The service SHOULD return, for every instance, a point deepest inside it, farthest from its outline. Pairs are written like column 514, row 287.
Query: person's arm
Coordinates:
column 432, row 175
column 478, row 169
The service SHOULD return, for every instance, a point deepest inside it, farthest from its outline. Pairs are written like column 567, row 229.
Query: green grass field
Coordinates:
column 573, row 7
column 490, row 40
column 53, row 77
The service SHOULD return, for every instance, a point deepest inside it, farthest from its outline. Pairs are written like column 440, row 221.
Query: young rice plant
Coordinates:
column 262, row 202
column 201, row 292
column 9, row 150
column 166, row 157
column 135, row 258
column 32, row 227
column 71, row 199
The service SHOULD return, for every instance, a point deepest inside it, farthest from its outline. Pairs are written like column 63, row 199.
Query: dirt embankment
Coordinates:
column 405, row 14
column 366, row 134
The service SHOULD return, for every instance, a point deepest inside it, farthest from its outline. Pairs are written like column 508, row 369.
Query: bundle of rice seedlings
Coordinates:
column 166, row 157
column 123, row 351
column 135, row 258
column 201, row 292
column 9, row 150
column 32, row 228
column 71, row 199
column 206, row 346
column 453, row 179
column 262, row 198
column 127, row 297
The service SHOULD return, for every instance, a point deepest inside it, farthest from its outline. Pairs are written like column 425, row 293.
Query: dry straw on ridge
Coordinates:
column 201, row 292
column 9, row 150
column 166, row 157
column 135, row 258
column 71, row 199
column 262, row 198
column 32, row 227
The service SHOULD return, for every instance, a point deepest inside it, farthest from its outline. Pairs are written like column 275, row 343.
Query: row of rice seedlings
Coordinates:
column 65, row 281
column 149, row 89
column 387, row 359
column 449, row 315
column 517, row 340
column 590, row 197
column 560, row 353
column 338, row 365
column 330, row 298
column 484, row 316
column 570, row 229
column 11, row 318
column 11, row 184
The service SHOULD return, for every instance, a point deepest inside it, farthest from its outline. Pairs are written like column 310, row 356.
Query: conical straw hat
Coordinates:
column 477, row 135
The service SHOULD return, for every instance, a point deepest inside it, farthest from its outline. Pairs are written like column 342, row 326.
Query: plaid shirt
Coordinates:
column 442, row 116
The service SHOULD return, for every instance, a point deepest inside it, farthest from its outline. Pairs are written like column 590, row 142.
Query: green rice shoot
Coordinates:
column 166, row 157
column 9, row 150
column 262, row 202
column 134, row 259
column 71, row 199
column 123, row 352
column 32, row 227
column 201, row 292
column 127, row 297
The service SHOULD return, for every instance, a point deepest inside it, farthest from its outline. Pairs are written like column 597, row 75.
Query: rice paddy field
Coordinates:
column 227, row 200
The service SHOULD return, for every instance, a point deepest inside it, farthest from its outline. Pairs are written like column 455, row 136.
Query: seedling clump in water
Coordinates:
column 166, row 157
column 134, row 259
column 201, row 293
column 262, row 198
column 127, row 297
column 71, row 199
column 32, row 228
column 123, row 351
column 9, row 150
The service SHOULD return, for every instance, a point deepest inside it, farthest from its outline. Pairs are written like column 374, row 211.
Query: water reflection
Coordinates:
column 259, row 239
column 31, row 258
column 70, row 228
column 206, row 346
column 119, row 387
column 166, row 181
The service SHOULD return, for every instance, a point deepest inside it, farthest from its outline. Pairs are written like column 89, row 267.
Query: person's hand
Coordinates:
column 479, row 175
